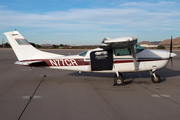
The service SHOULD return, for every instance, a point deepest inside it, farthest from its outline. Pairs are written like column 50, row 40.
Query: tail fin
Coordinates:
column 24, row 50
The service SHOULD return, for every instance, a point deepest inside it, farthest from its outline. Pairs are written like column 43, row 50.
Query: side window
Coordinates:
column 22, row 42
column 124, row 51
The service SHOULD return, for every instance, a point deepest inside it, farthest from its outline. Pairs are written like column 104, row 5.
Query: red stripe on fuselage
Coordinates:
column 77, row 62
column 59, row 62
column 145, row 60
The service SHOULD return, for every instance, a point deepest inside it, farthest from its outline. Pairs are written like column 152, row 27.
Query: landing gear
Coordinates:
column 120, row 75
column 118, row 80
column 155, row 77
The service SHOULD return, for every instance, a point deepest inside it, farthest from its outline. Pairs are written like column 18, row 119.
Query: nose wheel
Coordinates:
column 156, row 78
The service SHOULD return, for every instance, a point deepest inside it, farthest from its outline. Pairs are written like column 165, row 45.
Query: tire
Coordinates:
column 157, row 80
column 118, row 81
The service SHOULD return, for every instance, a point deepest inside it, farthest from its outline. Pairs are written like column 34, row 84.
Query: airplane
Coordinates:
column 118, row 55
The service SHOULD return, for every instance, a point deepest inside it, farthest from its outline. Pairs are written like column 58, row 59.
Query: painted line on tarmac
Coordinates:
column 28, row 97
column 161, row 95
column 31, row 97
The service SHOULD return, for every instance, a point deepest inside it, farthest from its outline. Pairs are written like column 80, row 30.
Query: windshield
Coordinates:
column 83, row 53
column 138, row 48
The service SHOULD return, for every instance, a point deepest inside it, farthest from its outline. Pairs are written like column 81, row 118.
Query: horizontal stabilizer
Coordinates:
column 27, row 62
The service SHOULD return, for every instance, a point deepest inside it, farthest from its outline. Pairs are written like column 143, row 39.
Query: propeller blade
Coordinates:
column 170, row 57
column 171, row 45
column 171, row 63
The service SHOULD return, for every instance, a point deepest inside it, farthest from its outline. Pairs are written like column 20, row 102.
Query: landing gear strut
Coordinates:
column 118, row 80
column 155, row 77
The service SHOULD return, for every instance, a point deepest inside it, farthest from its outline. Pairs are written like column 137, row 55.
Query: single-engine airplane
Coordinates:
column 119, row 55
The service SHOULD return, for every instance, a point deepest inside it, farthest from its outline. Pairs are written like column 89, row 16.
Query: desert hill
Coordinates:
column 175, row 41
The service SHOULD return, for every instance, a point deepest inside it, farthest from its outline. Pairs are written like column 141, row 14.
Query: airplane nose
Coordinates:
column 172, row 54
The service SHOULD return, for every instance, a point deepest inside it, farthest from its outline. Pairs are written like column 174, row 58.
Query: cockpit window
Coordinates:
column 127, row 51
column 124, row 51
column 138, row 48
column 83, row 53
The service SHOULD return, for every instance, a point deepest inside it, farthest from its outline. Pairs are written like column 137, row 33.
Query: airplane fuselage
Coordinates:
column 146, row 59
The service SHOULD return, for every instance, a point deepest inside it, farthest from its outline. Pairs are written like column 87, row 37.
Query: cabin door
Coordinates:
column 101, row 60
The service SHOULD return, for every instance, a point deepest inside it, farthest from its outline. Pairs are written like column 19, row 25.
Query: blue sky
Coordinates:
column 80, row 22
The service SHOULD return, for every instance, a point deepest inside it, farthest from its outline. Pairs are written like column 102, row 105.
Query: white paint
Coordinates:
column 28, row 97
column 63, row 62
column 160, row 95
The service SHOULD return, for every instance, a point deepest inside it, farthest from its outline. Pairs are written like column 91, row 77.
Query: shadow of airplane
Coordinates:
column 164, row 73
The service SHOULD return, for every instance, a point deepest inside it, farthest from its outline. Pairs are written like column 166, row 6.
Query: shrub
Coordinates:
column 161, row 47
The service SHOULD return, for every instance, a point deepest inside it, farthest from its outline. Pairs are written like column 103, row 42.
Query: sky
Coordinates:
column 88, row 22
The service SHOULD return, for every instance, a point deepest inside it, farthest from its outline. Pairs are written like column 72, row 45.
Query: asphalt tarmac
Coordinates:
column 69, row 95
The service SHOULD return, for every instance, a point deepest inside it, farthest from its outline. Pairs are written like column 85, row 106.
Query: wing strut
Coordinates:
column 133, row 55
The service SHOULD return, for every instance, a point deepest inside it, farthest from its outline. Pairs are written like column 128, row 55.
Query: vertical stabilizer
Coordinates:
column 23, row 49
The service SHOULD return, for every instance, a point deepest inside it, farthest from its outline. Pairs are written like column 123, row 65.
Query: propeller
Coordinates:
column 171, row 45
column 170, row 57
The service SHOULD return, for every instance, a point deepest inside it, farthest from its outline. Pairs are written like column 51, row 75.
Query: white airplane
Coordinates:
column 119, row 55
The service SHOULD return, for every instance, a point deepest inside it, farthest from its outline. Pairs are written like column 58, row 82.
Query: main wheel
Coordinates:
column 157, row 79
column 118, row 81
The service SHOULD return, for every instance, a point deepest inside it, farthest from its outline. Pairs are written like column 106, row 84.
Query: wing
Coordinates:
column 123, row 42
